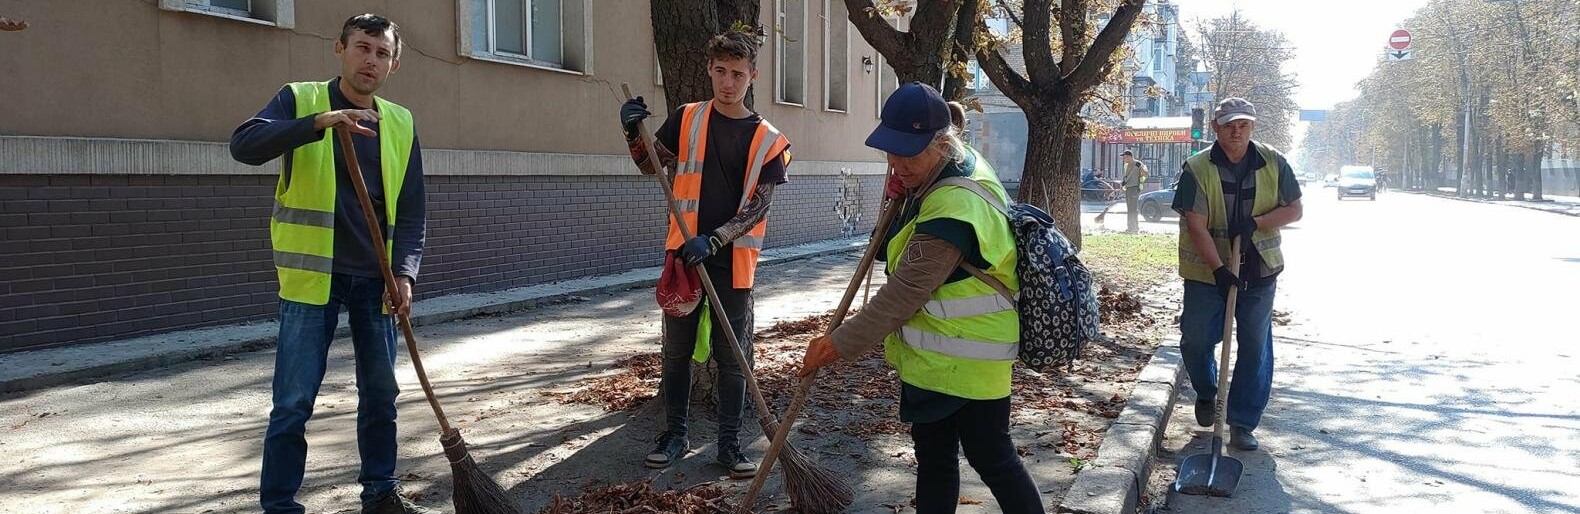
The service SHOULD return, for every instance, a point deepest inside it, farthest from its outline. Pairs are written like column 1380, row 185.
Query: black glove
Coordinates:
column 1226, row 278
column 699, row 248
column 1242, row 227
column 631, row 116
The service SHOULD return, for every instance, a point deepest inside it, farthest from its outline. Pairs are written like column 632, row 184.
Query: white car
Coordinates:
column 1357, row 181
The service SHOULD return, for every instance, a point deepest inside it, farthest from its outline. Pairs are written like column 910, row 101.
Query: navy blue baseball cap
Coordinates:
column 911, row 118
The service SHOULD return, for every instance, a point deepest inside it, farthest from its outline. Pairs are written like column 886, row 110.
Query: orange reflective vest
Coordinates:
column 767, row 143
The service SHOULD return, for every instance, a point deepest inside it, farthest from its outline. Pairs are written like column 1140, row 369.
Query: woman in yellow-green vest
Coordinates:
column 324, row 257
column 952, row 337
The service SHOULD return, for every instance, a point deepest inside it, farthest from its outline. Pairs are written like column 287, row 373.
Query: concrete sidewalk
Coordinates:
column 54, row 366
column 1565, row 205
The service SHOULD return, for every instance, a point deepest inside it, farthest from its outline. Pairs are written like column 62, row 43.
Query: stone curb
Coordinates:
column 1506, row 203
column 27, row 370
column 1113, row 482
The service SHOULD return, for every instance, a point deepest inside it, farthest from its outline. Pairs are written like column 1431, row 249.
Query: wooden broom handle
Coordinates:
column 376, row 233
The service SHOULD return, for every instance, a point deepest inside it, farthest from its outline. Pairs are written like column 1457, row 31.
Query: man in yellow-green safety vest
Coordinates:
column 324, row 257
column 952, row 337
column 1236, row 189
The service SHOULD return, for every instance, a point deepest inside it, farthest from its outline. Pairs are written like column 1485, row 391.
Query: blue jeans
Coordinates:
column 1201, row 327
column 305, row 334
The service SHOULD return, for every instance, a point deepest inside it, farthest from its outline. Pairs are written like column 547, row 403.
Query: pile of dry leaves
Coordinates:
column 641, row 497
column 635, row 384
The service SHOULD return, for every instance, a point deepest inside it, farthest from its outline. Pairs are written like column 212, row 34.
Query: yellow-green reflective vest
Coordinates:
column 1193, row 266
column 964, row 341
column 303, row 226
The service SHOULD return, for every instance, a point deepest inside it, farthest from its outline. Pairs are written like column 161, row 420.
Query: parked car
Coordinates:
column 1154, row 205
column 1357, row 181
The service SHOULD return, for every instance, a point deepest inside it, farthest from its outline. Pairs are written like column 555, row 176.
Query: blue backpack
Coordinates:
column 1057, row 307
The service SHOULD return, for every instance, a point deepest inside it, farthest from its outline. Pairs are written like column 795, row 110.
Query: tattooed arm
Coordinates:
column 753, row 213
column 639, row 155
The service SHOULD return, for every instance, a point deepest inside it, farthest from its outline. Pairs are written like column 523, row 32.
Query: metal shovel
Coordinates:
column 1216, row 474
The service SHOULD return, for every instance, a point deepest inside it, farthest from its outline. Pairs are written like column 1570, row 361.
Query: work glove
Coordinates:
column 1226, row 278
column 631, row 116
column 1242, row 227
column 818, row 354
column 699, row 248
column 895, row 189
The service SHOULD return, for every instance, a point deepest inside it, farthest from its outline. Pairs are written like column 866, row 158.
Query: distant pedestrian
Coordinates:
column 1135, row 175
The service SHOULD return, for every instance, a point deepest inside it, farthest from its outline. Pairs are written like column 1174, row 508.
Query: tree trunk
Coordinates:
column 681, row 29
column 1538, row 150
column 1050, row 179
column 960, row 48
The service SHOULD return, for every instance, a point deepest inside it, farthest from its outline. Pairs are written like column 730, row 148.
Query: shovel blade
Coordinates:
column 1208, row 475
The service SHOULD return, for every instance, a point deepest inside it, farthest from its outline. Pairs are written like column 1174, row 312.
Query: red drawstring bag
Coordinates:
column 679, row 288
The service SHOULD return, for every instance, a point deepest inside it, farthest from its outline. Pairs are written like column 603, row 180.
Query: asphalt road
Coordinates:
column 1430, row 365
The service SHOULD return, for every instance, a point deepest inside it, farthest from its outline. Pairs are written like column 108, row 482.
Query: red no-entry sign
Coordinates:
column 1400, row 40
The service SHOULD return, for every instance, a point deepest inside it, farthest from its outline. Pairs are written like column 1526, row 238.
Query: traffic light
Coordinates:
column 1197, row 116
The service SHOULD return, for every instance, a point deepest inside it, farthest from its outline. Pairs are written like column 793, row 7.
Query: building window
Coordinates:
column 280, row 13
column 888, row 81
column 836, row 56
column 550, row 34
column 790, row 52
column 1157, row 57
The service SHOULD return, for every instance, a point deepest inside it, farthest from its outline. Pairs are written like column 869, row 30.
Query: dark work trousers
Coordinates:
column 679, row 341
column 981, row 427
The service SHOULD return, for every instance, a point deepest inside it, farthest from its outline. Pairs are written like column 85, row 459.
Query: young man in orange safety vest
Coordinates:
column 726, row 161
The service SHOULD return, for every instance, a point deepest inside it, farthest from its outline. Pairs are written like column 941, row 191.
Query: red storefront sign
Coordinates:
column 1141, row 136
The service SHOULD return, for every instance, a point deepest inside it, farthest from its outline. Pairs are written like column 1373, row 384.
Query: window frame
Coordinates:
column 828, row 53
column 271, row 13
column 779, row 35
column 477, row 37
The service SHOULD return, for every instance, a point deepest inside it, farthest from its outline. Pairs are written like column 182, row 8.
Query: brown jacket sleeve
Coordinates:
column 926, row 264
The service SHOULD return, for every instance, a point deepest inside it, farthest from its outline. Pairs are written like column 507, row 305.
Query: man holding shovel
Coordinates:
column 1236, row 188
column 325, row 259
column 729, row 161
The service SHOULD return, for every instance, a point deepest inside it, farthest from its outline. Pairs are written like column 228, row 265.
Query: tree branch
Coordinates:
column 1010, row 12
column 883, row 37
column 1072, row 20
column 1014, row 86
column 1089, row 71
column 1036, row 46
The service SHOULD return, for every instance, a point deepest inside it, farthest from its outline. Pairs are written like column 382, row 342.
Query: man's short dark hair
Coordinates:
column 1127, row 152
column 372, row 25
column 731, row 45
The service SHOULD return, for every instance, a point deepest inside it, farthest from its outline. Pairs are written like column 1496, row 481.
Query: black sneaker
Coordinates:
column 732, row 459
column 1205, row 413
column 671, row 447
column 1241, row 439
column 393, row 502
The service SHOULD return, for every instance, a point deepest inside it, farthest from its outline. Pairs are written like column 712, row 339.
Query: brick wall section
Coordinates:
column 102, row 257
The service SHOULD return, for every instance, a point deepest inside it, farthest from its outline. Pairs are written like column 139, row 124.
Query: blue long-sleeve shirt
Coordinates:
column 278, row 129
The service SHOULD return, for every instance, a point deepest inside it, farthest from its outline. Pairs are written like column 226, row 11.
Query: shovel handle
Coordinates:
column 1220, row 403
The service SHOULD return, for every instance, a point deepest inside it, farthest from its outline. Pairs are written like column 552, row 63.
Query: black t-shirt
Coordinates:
column 1239, row 192
column 723, row 169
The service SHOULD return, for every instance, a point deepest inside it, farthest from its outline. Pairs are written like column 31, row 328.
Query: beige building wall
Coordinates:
column 130, row 69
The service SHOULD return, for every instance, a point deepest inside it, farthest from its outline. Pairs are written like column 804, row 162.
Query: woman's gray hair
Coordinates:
column 950, row 137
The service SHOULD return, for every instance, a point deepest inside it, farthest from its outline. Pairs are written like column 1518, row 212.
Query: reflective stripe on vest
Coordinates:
column 964, row 341
column 1267, row 241
column 302, row 227
column 967, row 307
column 767, row 143
column 957, row 347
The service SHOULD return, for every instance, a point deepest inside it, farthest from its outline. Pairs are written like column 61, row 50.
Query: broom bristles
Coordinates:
column 475, row 491
column 812, row 488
